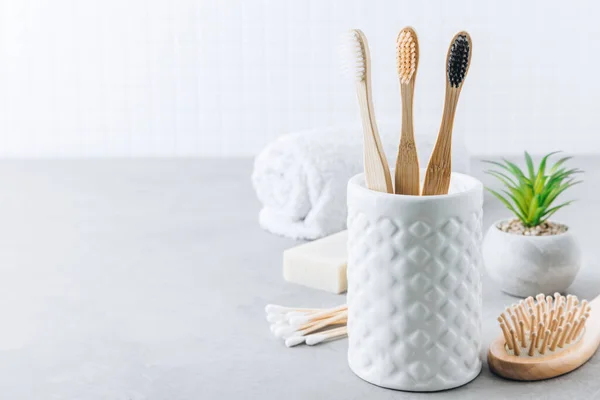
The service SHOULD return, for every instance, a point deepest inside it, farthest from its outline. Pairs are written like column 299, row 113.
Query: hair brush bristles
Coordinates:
column 406, row 55
column 536, row 328
column 458, row 60
column 352, row 51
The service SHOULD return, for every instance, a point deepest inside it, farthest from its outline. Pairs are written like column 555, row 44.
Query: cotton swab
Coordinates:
column 274, row 317
column 331, row 334
column 277, row 325
column 303, row 325
column 297, row 314
column 285, row 330
column 294, row 341
column 303, row 319
column 274, row 308
column 300, row 317
column 337, row 319
column 279, row 313
column 316, row 338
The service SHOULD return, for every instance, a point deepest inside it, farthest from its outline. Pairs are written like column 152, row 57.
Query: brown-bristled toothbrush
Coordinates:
column 437, row 176
column 358, row 65
column 407, row 161
column 545, row 337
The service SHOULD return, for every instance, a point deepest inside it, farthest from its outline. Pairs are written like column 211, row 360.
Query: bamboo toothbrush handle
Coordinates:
column 407, row 162
column 377, row 171
column 437, row 176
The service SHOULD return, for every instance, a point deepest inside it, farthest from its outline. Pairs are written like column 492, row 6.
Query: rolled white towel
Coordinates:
column 301, row 177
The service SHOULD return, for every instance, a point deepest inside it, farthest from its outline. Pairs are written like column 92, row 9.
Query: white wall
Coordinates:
column 198, row 77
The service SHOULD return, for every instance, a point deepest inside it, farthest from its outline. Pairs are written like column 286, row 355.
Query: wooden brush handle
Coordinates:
column 377, row 171
column 407, row 162
column 437, row 177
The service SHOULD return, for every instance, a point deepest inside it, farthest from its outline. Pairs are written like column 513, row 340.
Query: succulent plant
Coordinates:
column 530, row 196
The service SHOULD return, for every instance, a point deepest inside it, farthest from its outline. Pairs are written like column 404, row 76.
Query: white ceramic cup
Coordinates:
column 414, row 286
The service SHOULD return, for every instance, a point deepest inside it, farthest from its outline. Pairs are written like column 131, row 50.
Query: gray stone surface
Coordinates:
column 148, row 280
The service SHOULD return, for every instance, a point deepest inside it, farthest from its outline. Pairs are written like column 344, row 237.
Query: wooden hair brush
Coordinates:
column 458, row 59
column 545, row 338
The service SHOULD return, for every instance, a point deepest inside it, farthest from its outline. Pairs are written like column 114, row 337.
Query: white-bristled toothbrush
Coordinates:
column 357, row 64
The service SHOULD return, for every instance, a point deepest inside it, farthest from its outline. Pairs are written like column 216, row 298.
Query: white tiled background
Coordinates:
column 218, row 78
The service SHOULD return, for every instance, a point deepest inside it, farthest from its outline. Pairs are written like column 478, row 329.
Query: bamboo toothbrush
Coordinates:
column 458, row 59
column 407, row 161
column 357, row 63
column 545, row 338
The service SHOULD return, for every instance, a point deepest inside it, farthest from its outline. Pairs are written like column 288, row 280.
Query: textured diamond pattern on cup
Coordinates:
column 419, row 370
column 429, row 308
column 386, row 227
column 418, row 255
column 434, row 296
column 420, row 283
column 419, row 339
column 419, row 229
column 451, row 228
column 419, row 311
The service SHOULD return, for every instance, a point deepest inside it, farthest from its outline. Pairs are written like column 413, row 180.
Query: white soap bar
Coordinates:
column 320, row 264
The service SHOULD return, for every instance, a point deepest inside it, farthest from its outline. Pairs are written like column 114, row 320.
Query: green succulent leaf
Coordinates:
column 541, row 178
column 551, row 211
column 533, row 206
column 559, row 163
column 516, row 171
column 507, row 204
column 537, row 216
column 504, row 167
column 555, row 209
column 530, row 196
column 506, row 180
column 519, row 204
column 558, row 190
column 530, row 165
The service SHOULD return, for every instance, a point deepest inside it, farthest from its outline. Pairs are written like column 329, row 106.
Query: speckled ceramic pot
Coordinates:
column 527, row 265
column 414, row 286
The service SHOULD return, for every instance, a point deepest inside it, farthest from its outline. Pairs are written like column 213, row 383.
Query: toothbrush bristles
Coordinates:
column 406, row 55
column 352, row 52
column 548, row 324
column 458, row 60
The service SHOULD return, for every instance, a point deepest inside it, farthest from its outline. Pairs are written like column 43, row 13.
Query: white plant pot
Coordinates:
column 414, row 286
column 528, row 265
